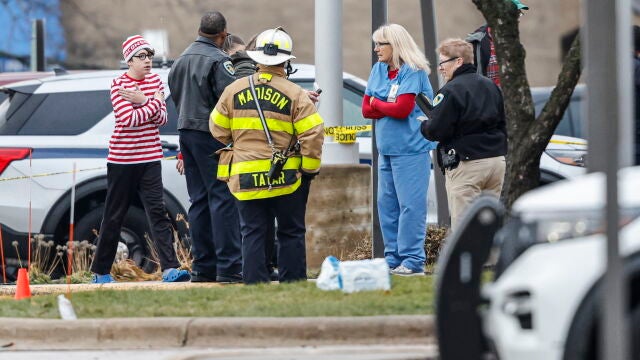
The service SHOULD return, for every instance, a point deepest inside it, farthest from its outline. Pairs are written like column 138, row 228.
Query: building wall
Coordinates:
column 95, row 29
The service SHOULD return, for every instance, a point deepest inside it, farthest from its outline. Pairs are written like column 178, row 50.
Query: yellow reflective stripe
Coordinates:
column 219, row 119
column 310, row 163
column 266, row 193
column 556, row 141
column 307, row 123
column 250, row 123
column 223, row 171
column 252, row 166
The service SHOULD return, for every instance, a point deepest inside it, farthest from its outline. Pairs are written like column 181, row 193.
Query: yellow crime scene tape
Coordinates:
column 345, row 134
column 50, row 174
column 566, row 142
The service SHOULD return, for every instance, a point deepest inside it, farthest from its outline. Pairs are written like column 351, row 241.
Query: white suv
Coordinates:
column 545, row 297
column 47, row 126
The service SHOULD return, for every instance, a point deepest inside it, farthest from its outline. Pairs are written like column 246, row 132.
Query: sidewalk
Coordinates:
column 159, row 332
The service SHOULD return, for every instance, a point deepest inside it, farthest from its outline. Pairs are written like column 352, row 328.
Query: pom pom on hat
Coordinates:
column 132, row 45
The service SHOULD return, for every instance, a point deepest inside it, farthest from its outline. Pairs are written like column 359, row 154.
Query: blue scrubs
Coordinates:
column 403, row 169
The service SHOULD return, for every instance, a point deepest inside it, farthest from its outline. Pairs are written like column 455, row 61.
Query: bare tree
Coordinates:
column 527, row 135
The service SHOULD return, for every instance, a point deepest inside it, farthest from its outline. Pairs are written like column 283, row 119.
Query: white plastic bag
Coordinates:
column 361, row 275
column 66, row 308
column 353, row 276
column 329, row 278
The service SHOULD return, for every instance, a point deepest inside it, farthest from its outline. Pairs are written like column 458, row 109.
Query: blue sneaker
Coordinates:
column 102, row 279
column 175, row 275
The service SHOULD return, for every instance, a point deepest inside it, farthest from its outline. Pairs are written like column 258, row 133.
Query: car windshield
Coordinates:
column 65, row 113
column 570, row 124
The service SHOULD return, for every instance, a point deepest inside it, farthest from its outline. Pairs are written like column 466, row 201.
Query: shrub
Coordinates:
column 432, row 245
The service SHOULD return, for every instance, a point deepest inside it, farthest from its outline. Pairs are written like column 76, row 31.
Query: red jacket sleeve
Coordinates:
column 400, row 109
column 367, row 110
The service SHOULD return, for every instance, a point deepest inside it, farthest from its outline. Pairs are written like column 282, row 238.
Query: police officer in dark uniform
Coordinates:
column 468, row 120
column 196, row 80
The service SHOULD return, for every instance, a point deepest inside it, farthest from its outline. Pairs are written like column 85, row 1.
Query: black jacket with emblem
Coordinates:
column 243, row 64
column 290, row 116
column 468, row 116
column 196, row 80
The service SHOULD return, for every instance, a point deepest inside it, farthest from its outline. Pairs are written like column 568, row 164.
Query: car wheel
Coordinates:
column 132, row 234
column 584, row 337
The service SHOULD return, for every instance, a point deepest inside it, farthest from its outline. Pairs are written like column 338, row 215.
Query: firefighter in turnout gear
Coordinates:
column 274, row 138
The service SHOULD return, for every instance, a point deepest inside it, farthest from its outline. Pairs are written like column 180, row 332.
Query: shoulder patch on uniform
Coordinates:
column 229, row 67
column 438, row 99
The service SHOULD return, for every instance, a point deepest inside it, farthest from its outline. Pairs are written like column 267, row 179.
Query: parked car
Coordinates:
column 546, row 294
column 565, row 155
column 49, row 125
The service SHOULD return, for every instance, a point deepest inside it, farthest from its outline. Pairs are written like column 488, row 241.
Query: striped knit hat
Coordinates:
column 132, row 45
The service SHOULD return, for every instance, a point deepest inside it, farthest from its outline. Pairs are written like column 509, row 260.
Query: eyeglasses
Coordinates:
column 144, row 56
column 380, row 44
column 446, row 61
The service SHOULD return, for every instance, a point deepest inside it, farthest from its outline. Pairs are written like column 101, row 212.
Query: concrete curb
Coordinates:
column 146, row 333
column 47, row 289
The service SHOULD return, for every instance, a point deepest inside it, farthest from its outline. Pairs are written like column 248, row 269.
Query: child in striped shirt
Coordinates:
column 133, row 163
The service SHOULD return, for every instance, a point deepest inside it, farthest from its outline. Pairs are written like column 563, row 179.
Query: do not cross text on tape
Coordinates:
column 345, row 134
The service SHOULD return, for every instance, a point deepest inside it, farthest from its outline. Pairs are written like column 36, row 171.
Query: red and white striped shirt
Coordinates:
column 136, row 138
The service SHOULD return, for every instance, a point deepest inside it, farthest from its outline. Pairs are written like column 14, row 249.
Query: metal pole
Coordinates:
column 329, row 61
column 37, row 45
column 609, row 117
column 329, row 78
column 378, row 18
column 428, row 11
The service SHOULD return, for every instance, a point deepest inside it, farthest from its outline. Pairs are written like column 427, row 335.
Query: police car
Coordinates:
column 50, row 125
column 546, row 293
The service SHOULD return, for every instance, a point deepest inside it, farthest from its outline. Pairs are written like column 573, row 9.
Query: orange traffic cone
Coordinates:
column 22, row 285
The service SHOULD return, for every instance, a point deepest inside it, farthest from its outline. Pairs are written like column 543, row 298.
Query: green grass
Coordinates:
column 408, row 296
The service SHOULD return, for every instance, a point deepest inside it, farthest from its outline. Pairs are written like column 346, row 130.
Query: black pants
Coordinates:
column 123, row 183
column 214, row 224
column 271, row 256
column 256, row 216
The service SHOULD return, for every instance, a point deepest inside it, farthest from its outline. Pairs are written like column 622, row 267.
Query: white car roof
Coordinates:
column 584, row 193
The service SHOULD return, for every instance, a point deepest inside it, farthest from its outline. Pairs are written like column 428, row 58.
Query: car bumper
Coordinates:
column 532, row 306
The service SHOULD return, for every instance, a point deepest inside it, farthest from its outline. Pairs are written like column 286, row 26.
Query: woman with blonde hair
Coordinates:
column 403, row 161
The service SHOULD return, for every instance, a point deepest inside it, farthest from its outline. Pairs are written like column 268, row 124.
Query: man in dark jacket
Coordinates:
column 468, row 121
column 196, row 80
